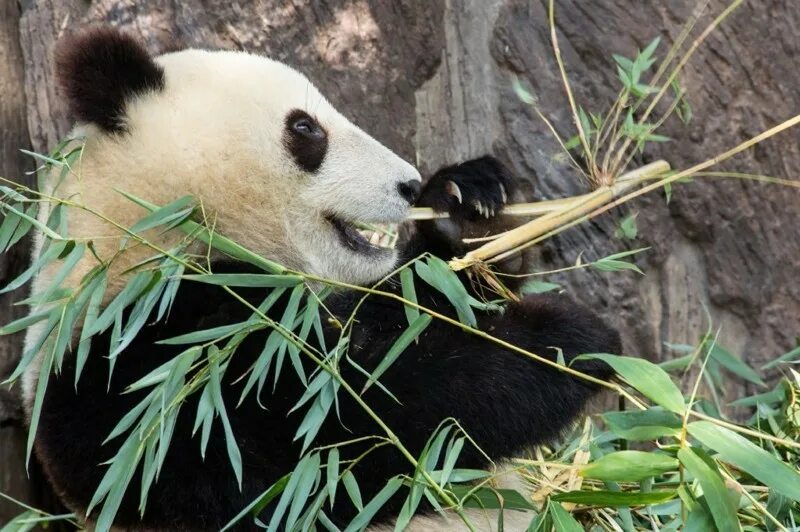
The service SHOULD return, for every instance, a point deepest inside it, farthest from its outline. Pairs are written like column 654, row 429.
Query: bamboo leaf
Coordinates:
column 436, row 273
column 718, row 498
column 351, row 487
column 307, row 475
column 409, row 293
column 332, row 474
column 563, row 520
column 740, row 452
column 539, row 287
column 261, row 502
column 170, row 212
column 786, row 357
column 368, row 512
column 400, row 345
column 49, row 255
column 491, row 498
column 649, row 379
column 96, row 288
column 735, row 365
column 248, row 280
column 234, row 456
column 615, row 498
column 205, row 335
column 24, row 322
column 218, row 242
column 643, row 425
column 629, row 465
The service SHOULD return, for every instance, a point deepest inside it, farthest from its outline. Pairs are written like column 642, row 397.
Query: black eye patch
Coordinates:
column 306, row 140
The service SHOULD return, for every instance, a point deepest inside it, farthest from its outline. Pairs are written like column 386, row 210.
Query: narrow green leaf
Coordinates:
column 234, row 456
column 400, row 345
column 261, row 502
column 332, row 474
column 368, row 512
column 615, row 498
column 24, row 322
column 164, row 215
column 97, row 288
column 49, row 255
column 735, row 365
column 491, row 498
column 775, row 396
column 38, row 400
column 539, row 287
column 438, row 274
column 627, row 227
column 205, row 335
column 644, row 425
column 308, row 475
column 218, row 242
column 43, row 158
column 610, row 265
column 718, row 498
column 563, row 520
column 36, row 223
column 248, row 280
column 649, row 379
column 745, row 455
column 409, row 293
column 351, row 487
column 786, row 357
column 629, row 466
column 450, row 458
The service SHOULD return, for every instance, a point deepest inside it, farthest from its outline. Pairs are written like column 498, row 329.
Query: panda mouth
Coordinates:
column 363, row 238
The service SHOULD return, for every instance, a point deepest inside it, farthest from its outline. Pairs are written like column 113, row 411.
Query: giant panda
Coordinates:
column 282, row 172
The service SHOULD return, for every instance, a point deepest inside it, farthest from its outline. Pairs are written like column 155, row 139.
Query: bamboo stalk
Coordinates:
column 659, row 183
column 534, row 208
column 570, row 210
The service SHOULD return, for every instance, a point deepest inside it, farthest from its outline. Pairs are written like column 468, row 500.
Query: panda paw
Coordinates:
column 472, row 190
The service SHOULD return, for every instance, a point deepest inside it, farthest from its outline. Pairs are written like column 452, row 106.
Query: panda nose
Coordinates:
column 410, row 190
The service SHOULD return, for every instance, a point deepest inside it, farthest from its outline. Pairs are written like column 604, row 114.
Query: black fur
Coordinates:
column 308, row 145
column 479, row 180
column 506, row 401
column 100, row 70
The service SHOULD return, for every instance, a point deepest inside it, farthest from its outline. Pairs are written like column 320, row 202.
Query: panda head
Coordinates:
column 276, row 167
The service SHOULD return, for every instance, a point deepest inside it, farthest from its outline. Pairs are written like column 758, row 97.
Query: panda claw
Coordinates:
column 503, row 193
column 451, row 188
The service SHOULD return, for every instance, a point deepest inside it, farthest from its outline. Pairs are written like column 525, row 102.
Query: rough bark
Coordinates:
column 13, row 136
column 432, row 80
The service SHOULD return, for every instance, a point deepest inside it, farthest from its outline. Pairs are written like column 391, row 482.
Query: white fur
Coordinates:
column 216, row 132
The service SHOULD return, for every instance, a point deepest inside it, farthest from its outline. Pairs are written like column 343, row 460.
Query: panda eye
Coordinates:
column 303, row 126
column 305, row 139
column 307, row 127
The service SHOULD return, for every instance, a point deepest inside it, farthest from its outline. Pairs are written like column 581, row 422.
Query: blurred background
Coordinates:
column 433, row 81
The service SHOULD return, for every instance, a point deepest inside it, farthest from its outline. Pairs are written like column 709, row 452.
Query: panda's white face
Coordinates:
column 279, row 168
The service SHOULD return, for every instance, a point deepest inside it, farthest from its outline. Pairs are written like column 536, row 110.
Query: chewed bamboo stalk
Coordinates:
column 570, row 209
column 535, row 208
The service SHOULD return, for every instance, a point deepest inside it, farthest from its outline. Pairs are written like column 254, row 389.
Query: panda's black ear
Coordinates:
column 99, row 70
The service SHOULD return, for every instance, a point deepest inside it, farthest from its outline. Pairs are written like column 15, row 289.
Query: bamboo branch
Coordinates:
column 570, row 210
column 534, row 208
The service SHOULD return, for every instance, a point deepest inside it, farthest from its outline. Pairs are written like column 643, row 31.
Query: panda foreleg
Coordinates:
column 473, row 193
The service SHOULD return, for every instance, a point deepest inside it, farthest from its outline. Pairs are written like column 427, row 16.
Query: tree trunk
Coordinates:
column 433, row 81
column 13, row 136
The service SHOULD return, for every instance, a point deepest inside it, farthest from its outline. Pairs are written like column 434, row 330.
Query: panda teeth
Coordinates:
column 386, row 241
column 375, row 238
